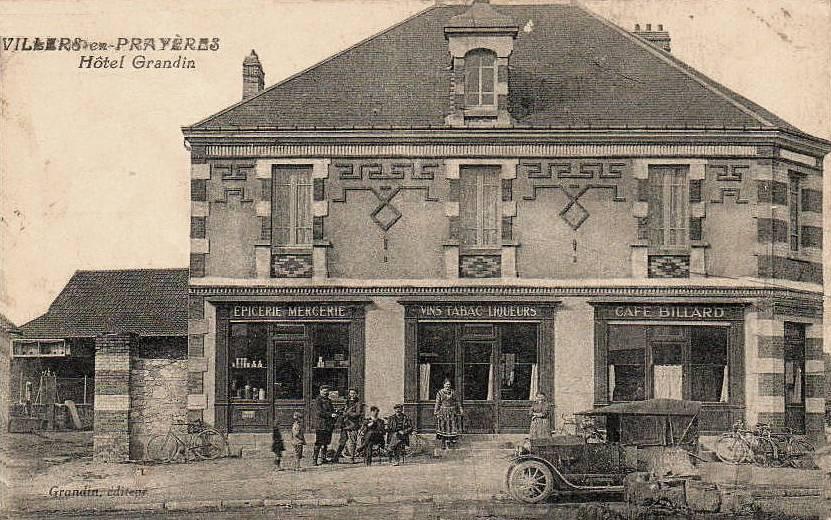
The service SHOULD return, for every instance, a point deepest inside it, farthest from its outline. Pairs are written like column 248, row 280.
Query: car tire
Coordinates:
column 530, row 481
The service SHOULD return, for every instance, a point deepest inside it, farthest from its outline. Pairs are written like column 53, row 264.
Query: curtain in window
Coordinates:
column 532, row 394
column 797, row 386
column 725, row 387
column 424, row 382
column 611, row 382
column 667, row 381
column 490, row 383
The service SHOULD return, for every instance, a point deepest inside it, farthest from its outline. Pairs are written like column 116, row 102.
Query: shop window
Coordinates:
column 436, row 358
column 330, row 355
column 520, row 378
column 709, row 375
column 794, row 198
column 479, row 205
column 248, row 357
column 480, row 79
column 292, row 206
column 668, row 215
column 668, row 362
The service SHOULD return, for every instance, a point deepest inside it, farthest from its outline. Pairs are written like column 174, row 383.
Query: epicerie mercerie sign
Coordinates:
column 672, row 312
column 311, row 311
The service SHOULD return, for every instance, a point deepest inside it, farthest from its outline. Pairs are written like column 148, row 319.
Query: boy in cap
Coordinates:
column 325, row 416
column 399, row 428
column 298, row 439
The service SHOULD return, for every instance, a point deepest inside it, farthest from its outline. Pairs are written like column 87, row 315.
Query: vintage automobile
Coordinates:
column 577, row 464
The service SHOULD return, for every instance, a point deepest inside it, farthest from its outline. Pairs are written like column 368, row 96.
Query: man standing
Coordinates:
column 350, row 423
column 399, row 428
column 325, row 422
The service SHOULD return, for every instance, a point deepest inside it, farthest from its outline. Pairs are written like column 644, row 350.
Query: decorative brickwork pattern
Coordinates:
column 111, row 438
column 771, row 347
column 669, row 266
column 197, row 227
column 771, row 385
column 815, row 385
column 776, row 420
column 480, row 266
column 291, row 266
column 197, row 266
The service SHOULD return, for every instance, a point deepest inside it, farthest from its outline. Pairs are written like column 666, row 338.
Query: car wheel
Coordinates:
column 530, row 481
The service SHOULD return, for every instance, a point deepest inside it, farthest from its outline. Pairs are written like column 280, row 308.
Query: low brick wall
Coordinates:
column 158, row 397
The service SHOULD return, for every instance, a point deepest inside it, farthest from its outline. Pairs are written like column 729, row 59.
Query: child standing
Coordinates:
column 277, row 447
column 298, row 439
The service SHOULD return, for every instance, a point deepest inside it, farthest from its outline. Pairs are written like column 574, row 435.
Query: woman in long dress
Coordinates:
column 540, row 418
column 448, row 412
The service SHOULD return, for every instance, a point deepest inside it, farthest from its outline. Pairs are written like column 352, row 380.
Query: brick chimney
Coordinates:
column 659, row 38
column 253, row 77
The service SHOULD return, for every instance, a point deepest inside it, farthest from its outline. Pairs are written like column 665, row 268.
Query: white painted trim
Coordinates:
column 199, row 208
column 200, row 171
column 197, row 401
column 812, row 405
column 199, row 246
column 769, row 366
column 320, row 208
column 112, row 403
column 798, row 157
column 263, row 208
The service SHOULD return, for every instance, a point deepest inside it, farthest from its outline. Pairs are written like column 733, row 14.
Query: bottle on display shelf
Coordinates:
column 320, row 361
column 262, row 394
column 247, row 393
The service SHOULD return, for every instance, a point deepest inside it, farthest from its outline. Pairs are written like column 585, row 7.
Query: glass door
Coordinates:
column 475, row 357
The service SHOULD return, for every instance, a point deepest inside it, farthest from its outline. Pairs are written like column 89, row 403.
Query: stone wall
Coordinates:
column 158, row 397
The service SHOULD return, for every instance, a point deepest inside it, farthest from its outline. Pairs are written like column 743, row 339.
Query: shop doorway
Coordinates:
column 795, row 376
column 492, row 366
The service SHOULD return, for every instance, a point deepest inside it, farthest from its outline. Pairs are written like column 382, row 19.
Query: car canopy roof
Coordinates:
column 649, row 407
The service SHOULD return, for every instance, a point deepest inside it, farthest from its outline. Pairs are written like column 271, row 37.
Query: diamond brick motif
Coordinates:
column 669, row 266
column 480, row 266
column 385, row 215
column 291, row 266
column 574, row 214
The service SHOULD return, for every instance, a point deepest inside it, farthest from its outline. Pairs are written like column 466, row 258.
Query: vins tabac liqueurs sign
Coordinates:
column 475, row 311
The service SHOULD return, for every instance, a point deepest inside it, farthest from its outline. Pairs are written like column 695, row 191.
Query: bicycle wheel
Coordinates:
column 732, row 449
column 800, row 453
column 765, row 452
column 161, row 448
column 210, row 444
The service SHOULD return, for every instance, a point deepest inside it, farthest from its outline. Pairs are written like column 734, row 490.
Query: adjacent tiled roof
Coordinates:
column 569, row 69
column 147, row 302
column 6, row 325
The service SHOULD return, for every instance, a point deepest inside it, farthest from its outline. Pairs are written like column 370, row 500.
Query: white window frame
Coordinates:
column 479, row 72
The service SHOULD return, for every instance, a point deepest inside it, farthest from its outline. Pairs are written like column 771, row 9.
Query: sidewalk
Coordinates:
column 229, row 483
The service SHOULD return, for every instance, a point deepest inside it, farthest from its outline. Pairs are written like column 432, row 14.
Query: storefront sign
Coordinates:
column 670, row 312
column 290, row 311
column 474, row 311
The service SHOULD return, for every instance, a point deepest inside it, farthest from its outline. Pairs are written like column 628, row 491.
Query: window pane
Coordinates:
column 478, row 381
column 330, row 358
column 667, row 354
column 707, row 383
column 518, row 361
column 708, row 345
column 248, row 360
column 288, row 370
column 436, row 343
column 487, row 99
column 487, row 80
column 478, row 352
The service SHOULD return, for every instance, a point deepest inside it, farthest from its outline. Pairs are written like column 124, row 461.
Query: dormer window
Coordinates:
column 480, row 79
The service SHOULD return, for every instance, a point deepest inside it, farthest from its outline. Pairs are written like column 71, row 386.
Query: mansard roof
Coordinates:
column 569, row 69
column 147, row 302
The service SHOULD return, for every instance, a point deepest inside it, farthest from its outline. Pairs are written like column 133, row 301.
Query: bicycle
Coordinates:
column 794, row 450
column 200, row 441
column 743, row 446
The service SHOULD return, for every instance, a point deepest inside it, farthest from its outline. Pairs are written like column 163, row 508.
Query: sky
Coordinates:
column 93, row 169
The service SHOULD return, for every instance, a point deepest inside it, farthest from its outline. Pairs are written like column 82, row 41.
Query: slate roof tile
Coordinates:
column 573, row 69
column 147, row 302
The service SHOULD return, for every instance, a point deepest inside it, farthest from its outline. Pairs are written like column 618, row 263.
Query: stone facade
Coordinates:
column 158, row 398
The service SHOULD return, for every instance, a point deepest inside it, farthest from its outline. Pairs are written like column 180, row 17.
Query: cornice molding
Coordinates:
column 792, row 296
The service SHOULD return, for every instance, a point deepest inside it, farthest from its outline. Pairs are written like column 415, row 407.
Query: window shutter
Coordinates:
column 468, row 207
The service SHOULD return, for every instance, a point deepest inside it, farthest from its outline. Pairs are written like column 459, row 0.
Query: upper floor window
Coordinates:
column 479, row 189
column 291, row 206
column 794, row 197
column 480, row 79
column 668, row 207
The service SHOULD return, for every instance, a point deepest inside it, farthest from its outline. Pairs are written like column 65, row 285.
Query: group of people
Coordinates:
column 360, row 434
